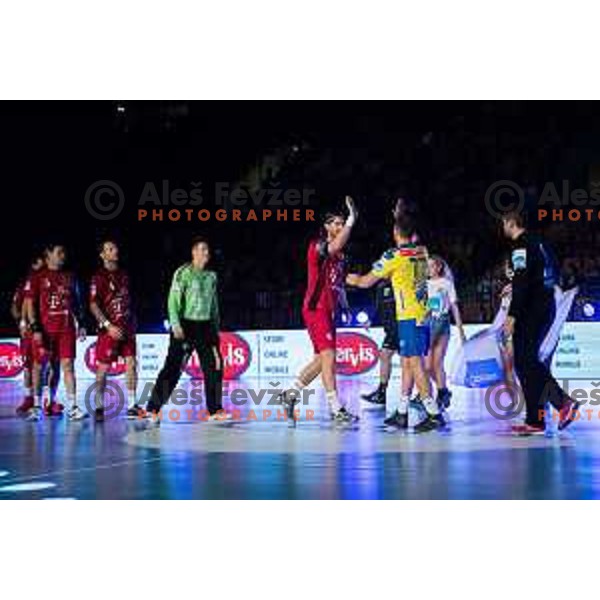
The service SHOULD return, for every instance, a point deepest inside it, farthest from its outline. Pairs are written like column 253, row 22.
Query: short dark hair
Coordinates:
column 198, row 239
column 50, row 246
column 404, row 206
column 107, row 240
column 405, row 223
column 518, row 216
column 330, row 216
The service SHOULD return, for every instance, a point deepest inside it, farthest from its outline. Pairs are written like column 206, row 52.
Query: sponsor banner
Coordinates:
column 11, row 360
column 280, row 354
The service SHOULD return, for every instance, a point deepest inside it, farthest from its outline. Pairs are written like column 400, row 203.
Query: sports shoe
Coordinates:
column 99, row 415
column 397, row 419
column 76, row 414
column 443, row 398
column 377, row 397
column 149, row 418
column 416, row 403
column 35, row 414
column 429, row 423
column 134, row 412
column 53, row 408
column 290, row 403
column 25, row 406
column 343, row 416
column 527, row 430
column 568, row 414
column 220, row 416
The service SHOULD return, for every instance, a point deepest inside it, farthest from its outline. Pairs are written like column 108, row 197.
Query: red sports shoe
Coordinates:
column 53, row 409
column 25, row 406
column 525, row 429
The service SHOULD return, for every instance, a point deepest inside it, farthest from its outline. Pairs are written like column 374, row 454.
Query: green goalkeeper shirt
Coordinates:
column 193, row 296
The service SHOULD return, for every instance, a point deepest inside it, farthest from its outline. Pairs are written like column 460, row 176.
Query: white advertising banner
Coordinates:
column 280, row 354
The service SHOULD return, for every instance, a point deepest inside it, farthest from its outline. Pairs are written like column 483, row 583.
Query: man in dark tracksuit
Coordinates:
column 530, row 317
column 386, row 309
column 194, row 320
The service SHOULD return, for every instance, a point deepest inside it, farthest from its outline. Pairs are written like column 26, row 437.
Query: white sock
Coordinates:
column 131, row 398
column 71, row 400
column 403, row 404
column 332, row 400
column 430, row 406
column 37, row 400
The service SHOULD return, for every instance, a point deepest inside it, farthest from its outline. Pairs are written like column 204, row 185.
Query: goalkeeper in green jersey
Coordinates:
column 194, row 319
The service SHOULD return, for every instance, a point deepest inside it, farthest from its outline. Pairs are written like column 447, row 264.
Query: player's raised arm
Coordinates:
column 337, row 244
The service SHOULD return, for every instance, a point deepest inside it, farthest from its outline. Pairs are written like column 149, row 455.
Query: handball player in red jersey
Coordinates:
column 55, row 312
column 110, row 304
column 325, row 264
column 18, row 312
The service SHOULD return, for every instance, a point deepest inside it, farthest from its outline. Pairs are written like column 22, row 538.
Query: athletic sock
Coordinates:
column 37, row 400
column 131, row 398
column 332, row 401
column 403, row 404
column 430, row 406
column 28, row 392
column 71, row 400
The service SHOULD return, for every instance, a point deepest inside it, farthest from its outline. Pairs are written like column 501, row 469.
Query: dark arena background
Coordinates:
column 256, row 179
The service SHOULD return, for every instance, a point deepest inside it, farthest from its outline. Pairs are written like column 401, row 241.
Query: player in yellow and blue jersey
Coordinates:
column 405, row 266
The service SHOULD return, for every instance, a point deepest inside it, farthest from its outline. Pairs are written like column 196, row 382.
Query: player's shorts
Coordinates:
column 109, row 349
column 414, row 339
column 27, row 350
column 439, row 327
column 321, row 329
column 55, row 346
column 390, row 329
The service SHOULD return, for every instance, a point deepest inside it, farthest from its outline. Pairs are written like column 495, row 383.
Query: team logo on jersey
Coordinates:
column 117, row 367
column 236, row 354
column 519, row 259
column 11, row 360
column 356, row 353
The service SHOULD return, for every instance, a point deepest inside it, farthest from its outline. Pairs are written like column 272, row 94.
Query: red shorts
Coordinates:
column 109, row 349
column 321, row 329
column 27, row 350
column 55, row 345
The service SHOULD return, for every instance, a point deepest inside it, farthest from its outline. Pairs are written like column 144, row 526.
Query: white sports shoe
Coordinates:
column 34, row 414
column 150, row 420
column 76, row 414
column 219, row 417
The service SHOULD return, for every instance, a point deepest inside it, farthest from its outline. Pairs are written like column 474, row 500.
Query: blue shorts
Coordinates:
column 414, row 339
